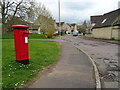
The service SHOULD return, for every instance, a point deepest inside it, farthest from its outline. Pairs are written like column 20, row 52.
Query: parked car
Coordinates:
column 75, row 33
column 68, row 32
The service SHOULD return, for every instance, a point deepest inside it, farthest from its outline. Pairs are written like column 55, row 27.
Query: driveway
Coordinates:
column 74, row 70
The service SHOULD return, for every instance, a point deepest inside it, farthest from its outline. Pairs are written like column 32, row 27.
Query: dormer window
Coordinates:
column 93, row 24
column 104, row 20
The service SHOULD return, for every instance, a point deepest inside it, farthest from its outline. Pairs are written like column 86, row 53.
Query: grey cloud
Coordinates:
column 73, row 18
column 79, row 10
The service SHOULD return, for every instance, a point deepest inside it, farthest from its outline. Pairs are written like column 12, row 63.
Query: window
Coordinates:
column 104, row 20
column 93, row 24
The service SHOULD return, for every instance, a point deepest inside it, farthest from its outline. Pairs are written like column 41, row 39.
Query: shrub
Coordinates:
column 50, row 33
column 112, row 38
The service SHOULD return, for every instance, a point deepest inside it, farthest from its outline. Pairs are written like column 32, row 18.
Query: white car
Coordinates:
column 75, row 33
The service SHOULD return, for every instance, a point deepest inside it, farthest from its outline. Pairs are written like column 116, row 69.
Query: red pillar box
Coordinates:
column 21, row 43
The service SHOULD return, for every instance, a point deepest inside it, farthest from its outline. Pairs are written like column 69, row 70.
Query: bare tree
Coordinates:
column 7, row 8
column 24, row 11
column 10, row 9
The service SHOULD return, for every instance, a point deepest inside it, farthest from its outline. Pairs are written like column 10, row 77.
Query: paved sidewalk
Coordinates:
column 102, row 40
column 74, row 70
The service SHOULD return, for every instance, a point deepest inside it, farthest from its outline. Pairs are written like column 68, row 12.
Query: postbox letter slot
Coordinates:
column 25, row 33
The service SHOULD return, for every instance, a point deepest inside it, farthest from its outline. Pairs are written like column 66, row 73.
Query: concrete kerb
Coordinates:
column 97, row 77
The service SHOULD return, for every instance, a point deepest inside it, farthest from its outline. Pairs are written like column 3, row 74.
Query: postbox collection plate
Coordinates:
column 26, row 39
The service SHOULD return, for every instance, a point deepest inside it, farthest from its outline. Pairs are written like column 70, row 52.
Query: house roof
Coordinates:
column 73, row 24
column 116, row 22
column 108, row 19
column 57, row 23
column 33, row 27
column 94, row 19
column 69, row 24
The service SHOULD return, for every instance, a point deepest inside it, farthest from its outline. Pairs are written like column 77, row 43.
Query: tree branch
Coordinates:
column 8, row 4
column 16, row 9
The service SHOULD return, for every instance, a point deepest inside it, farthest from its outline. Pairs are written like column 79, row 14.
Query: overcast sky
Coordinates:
column 75, row 11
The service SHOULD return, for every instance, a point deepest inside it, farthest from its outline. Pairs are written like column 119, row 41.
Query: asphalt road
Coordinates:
column 74, row 70
column 105, row 55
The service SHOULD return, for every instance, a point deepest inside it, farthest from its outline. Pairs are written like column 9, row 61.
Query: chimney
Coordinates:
column 118, row 4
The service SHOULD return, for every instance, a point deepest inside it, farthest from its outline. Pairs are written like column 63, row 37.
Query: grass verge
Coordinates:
column 15, row 75
column 31, row 36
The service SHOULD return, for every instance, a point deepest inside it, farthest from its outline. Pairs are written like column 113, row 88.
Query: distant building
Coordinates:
column 63, row 27
column 34, row 28
column 68, row 28
column 107, row 25
column 73, row 27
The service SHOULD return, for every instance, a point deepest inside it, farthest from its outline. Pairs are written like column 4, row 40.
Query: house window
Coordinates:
column 93, row 24
column 104, row 20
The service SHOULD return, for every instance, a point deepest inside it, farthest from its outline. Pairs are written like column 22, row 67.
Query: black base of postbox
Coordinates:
column 26, row 61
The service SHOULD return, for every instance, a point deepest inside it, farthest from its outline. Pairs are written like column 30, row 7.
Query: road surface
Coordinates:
column 103, row 53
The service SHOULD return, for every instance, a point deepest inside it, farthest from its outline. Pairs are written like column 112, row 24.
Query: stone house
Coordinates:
column 34, row 28
column 106, row 26
column 73, row 27
column 65, row 27
column 61, row 27
column 68, row 28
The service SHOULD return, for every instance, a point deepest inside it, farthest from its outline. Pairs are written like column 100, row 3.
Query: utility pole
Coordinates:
column 59, row 15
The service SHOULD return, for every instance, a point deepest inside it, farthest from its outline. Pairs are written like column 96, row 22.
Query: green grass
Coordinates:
column 7, row 36
column 38, row 36
column 42, row 54
column 0, row 64
column 31, row 36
